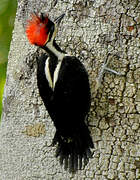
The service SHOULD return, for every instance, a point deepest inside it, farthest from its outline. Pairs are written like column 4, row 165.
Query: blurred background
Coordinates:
column 7, row 17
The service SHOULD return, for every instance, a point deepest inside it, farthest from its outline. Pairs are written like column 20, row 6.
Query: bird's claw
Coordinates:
column 104, row 69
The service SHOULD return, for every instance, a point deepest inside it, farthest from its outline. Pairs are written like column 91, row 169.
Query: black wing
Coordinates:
column 68, row 105
column 71, row 95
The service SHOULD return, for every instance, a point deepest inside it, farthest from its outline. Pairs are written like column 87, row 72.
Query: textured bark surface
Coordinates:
column 90, row 30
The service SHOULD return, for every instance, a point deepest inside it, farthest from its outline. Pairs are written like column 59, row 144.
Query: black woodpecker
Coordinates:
column 64, row 88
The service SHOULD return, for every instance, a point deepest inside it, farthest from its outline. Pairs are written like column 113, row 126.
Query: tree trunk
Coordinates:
column 90, row 30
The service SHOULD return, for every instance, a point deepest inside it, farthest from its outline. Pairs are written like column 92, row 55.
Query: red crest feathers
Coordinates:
column 36, row 30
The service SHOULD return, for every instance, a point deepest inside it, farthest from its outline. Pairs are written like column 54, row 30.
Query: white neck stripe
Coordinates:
column 57, row 53
column 56, row 72
column 60, row 57
column 47, row 73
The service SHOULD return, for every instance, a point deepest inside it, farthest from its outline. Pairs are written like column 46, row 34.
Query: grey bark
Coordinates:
column 90, row 30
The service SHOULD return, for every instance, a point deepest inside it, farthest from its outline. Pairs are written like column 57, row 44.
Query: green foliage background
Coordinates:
column 7, row 16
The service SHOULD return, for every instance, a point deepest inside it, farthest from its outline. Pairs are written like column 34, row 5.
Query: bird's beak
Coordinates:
column 59, row 19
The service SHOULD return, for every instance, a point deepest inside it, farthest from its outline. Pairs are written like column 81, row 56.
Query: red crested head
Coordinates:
column 40, row 29
column 37, row 30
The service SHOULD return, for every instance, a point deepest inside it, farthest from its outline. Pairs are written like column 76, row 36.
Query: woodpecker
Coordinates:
column 64, row 88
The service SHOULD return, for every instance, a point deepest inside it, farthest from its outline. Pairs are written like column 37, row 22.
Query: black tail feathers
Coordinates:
column 74, row 152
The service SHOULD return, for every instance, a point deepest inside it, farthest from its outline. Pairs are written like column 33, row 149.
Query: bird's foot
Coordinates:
column 105, row 69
